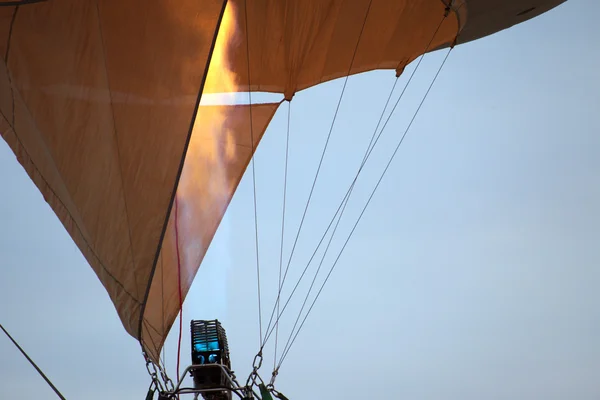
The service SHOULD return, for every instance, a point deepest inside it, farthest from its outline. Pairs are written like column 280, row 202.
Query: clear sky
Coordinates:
column 473, row 273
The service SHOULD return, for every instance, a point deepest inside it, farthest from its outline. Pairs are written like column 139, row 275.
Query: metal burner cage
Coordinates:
column 210, row 350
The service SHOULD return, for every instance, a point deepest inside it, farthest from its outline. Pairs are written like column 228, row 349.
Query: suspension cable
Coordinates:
column 287, row 142
column 319, row 167
column 373, row 142
column 304, row 272
column 336, row 213
column 314, row 280
column 287, row 349
column 33, row 364
column 252, row 148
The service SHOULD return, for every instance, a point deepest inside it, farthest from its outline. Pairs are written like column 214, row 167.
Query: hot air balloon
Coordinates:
column 100, row 102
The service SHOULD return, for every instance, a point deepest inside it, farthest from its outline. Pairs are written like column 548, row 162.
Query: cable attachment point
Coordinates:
column 153, row 372
column 279, row 395
column 169, row 385
column 448, row 8
column 254, row 377
column 258, row 359
column 273, row 377
column 288, row 96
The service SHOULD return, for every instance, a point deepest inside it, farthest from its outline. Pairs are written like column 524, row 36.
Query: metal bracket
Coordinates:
column 243, row 392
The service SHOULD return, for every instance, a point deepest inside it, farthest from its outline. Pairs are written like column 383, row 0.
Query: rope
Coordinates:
column 286, row 351
column 313, row 281
column 178, row 284
column 162, row 295
column 253, row 175
column 319, row 167
column 287, row 142
column 33, row 364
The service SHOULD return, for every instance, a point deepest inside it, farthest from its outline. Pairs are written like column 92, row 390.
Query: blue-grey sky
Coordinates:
column 473, row 273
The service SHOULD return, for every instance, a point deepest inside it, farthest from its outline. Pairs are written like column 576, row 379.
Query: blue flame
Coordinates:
column 207, row 346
